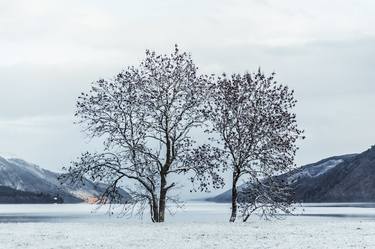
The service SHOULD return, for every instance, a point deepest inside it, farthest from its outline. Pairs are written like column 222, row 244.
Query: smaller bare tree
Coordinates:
column 256, row 130
column 267, row 197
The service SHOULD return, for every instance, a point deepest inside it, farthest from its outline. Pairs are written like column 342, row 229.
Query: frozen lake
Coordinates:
column 191, row 212
column 198, row 225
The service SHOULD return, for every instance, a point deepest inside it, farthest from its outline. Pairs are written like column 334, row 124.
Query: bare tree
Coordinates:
column 256, row 131
column 268, row 197
column 145, row 115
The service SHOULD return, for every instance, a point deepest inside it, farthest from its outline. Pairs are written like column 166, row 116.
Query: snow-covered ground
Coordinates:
column 199, row 225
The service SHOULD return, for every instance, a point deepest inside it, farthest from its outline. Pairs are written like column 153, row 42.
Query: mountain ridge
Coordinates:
column 23, row 176
column 344, row 178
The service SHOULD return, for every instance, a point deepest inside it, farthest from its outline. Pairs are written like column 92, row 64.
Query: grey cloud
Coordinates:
column 53, row 51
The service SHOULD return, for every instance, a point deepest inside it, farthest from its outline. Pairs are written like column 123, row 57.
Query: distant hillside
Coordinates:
column 22, row 176
column 347, row 178
column 352, row 181
column 12, row 196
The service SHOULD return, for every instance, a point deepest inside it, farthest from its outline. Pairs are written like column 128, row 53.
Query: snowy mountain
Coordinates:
column 307, row 180
column 351, row 181
column 20, row 175
column 325, row 181
column 315, row 170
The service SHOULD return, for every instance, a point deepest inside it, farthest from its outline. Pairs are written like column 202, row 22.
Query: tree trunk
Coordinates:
column 162, row 200
column 155, row 212
column 164, row 172
column 247, row 217
column 154, row 209
column 234, row 197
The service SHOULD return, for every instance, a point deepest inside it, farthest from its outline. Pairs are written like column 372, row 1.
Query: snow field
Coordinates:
column 289, row 233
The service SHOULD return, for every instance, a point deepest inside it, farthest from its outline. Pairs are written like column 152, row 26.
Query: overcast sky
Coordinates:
column 52, row 50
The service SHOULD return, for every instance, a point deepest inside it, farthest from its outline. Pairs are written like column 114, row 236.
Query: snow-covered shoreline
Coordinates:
column 195, row 211
column 288, row 233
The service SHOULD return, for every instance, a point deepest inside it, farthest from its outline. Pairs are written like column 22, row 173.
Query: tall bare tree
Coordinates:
column 256, row 130
column 145, row 115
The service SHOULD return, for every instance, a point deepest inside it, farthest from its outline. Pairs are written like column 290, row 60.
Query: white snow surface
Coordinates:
column 199, row 225
column 273, row 234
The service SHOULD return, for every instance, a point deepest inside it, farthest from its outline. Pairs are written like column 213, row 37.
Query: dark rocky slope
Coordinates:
column 13, row 196
column 347, row 178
